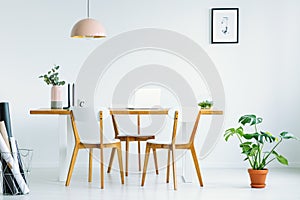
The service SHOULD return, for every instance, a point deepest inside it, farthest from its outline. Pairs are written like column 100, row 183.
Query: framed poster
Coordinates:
column 224, row 25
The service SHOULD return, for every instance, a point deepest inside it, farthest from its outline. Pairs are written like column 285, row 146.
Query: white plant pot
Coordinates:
column 56, row 97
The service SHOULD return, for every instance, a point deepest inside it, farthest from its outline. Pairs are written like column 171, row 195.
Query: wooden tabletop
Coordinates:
column 122, row 111
column 210, row 112
column 153, row 111
column 48, row 111
column 138, row 111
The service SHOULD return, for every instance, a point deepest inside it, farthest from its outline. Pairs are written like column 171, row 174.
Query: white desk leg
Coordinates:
column 187, row 163
column 64, row 140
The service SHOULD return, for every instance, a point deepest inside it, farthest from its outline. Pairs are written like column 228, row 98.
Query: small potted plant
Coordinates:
column 253, row 146
column 206, row 104
column 52, row 78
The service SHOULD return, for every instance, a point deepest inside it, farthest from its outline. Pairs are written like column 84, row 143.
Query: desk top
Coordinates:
column 153, row 111
column 123, row 111
column 48, row 111
column 210, row 112
column 139, row 111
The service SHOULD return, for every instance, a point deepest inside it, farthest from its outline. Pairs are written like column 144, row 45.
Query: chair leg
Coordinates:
column 112, row 154
column 145, row 164
column 174, row 168
column 194, row 155
column 120, row 163
column 168, row 167
column 101, row 168
column 72, row 163
column 155, row 160
column 139, row 155
column 90, row 165
column 126, row 157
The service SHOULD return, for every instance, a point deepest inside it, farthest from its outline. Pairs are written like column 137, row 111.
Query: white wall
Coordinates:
column 259, row 74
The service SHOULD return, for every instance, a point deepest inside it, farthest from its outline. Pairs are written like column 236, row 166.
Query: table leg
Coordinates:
column 65, row 138
column 187, row 164
column 139, row 143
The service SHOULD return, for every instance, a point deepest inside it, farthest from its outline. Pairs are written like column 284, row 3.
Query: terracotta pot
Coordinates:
column 258, row 177
column 56, row 97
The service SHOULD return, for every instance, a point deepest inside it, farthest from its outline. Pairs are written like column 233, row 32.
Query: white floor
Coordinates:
column 222, row 184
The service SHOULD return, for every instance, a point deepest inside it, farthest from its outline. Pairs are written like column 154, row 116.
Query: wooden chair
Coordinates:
column 190, row 144
column 170, row 146
column 131, row 137
column 80, row 115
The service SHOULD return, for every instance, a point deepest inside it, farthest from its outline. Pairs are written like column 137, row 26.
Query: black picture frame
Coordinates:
column 224, row 25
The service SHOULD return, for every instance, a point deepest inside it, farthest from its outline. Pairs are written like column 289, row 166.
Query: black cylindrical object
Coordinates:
column 5, row 116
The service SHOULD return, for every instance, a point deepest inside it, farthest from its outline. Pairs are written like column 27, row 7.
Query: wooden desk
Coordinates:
column 129, row 138
column 65, row 136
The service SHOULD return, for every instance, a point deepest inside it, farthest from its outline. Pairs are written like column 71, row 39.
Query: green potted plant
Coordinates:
column 52, row 78
column 206, row 104
column 253, row 146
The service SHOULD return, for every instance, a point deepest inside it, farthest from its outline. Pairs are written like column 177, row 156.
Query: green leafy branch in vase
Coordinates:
column 52, row 78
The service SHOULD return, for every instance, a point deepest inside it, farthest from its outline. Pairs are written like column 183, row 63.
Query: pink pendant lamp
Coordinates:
column 88, row 28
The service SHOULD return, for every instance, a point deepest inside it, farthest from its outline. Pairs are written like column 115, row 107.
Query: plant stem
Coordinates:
column 272, row 151
column 269, row 161
column 260, row 157
column 255, row 128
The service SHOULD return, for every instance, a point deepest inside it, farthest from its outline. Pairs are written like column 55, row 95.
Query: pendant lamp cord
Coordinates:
column 88, row 8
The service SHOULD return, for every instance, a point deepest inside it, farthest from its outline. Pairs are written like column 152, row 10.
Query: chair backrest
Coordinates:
column 86, row 123
column 101, row 126
column 188, row 114
column 74, row 127
column 191, row 115
column 174, row 130
column 187, row 117
column 194, row 131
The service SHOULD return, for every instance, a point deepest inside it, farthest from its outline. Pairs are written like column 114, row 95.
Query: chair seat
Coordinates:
column 135, row 135
column 153, row 141
column 112, row 141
